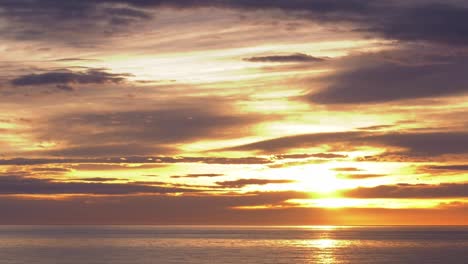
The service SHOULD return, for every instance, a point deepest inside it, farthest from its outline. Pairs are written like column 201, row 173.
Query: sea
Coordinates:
column 232, row 244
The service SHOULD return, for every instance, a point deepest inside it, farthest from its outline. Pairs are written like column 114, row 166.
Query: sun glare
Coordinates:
column 324, row 184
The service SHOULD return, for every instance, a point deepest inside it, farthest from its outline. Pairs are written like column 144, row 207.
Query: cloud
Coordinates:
column 425, row 143
column 445, row 190
column 209, row 209
column 296, row 163
column 77, row 23
column 381, row 81
column 24, row 185
column 302, row 159
column 440, row 22
column 96, row 179
column 347, row 169
column 378, row 127
column 297, row 141
column 140, row 132
column 114, row 167
column 313, row 155
column 71, row 59
column 98, row 162
column 59, row 170
column 413, row 143
column 448, row 167
column 244, row 182
column 435, row 21
column 103, row 150
column 359, row 176
column 297, row 57
column 209, row 175
column 64, row 79
column 315, row 6
column 139, row 209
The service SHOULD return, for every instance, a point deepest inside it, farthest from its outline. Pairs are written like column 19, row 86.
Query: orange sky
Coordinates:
column 234, row 112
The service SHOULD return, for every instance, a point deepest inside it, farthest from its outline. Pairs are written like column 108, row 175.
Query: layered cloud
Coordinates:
column 244, row 182
column 411, row 191
column 143, row 132
column 201, row 209
column 383, row 81
column 406, row 143
column 23, row 185
column 136, row 160
column 298, row 57
column 408, row 21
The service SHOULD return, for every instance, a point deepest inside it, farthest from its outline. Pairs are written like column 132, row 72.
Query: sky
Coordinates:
column 234, row 112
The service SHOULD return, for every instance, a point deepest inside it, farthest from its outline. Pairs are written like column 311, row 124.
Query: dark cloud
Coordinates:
column 435, row 21
column 297, row 57
column 440, row 22
column 303, row 159
column 126, row 13
column 358, row 176
column 145, row 132
column 103, row 150
column 132, row 160
column 209, row 175
column 414, row 143
column 426, row 144
column 390, row 156
column 77, row 23
column 210, row 209
column 220, row 160
column 64, row 87
column 315, row 6
column 447, row 190
column 108, row 167
column 244, row 182
column 211, row 188
column 181, row 209
column 384, row 82
column 73, row 59
column 64, row 79
column 25, row 185
column 51, row 170
column 379, row 127
column 296, row 163
column 96, row 179
column 298, row 141
column 314, row 155
column 448, row 167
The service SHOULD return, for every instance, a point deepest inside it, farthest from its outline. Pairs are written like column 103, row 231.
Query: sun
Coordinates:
column 324, row 184
column 315, row 179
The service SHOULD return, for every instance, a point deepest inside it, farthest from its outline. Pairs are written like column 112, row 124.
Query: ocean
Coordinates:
column 227, row 244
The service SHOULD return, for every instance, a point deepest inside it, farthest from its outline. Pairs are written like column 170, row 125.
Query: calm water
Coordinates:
column 151, row 244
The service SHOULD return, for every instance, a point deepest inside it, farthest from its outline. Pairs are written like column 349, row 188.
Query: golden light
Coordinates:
column 371, row 203
column 324, row 243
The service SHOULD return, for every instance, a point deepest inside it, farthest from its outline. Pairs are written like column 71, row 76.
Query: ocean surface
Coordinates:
column 240, row 245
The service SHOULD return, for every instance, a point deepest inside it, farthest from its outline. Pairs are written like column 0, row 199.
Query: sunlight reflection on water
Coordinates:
column 326, row 253
column 226, row 245
column 324, row 243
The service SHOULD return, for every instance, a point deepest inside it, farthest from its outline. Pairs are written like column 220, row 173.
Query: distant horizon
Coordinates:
column 253, row 226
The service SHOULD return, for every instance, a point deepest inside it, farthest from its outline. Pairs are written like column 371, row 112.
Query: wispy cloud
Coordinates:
column 297, row 57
